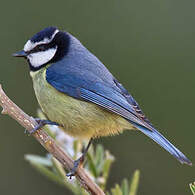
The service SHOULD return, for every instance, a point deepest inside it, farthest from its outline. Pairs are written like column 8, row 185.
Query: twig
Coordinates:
column 47, row 142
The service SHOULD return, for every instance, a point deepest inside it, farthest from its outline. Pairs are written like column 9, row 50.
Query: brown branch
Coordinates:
column 47, row 142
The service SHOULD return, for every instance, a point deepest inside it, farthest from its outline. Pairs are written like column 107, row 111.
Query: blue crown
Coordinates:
column 45, row 33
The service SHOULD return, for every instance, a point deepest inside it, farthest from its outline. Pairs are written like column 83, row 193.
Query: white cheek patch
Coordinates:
column 30, row 45
column 39, row 58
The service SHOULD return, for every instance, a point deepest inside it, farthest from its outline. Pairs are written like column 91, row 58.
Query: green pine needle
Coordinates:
column 192, row 187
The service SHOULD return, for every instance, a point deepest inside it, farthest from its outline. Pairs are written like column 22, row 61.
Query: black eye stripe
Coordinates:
column 41, row 47
column 38, row 48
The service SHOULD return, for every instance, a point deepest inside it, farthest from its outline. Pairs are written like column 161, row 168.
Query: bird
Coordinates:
column 78, row 93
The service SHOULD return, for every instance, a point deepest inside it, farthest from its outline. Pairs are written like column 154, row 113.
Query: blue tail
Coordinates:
column 163, row 142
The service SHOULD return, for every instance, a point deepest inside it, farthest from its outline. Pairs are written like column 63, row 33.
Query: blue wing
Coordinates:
column 97, row 92
column 113, row 97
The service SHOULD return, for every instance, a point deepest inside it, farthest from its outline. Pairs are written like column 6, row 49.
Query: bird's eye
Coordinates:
column 40, row 47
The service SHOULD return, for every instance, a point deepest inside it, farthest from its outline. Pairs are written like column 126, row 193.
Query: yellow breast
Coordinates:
column 79, row 118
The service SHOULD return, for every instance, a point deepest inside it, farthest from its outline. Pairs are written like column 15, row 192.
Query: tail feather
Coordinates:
column 163, row 142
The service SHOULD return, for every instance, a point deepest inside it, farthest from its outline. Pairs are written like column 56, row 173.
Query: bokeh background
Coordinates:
column 148, row 45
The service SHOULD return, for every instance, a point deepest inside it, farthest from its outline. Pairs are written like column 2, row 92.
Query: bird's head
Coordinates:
column 47, row 46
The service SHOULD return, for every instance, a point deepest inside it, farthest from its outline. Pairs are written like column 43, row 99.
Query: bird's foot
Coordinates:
column 77, row 164
column 41, row 123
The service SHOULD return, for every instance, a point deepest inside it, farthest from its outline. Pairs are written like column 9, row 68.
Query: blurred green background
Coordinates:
column 148, row 45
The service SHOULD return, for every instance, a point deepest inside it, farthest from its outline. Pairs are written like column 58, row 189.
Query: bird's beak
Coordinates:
column 20, row 54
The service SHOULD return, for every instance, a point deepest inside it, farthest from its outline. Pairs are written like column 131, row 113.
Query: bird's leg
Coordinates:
column 41, row 123
column 79, row 161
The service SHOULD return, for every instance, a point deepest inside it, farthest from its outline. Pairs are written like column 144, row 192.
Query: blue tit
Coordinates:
column 76, row 91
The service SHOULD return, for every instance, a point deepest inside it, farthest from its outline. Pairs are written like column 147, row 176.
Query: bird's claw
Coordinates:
column 71, row 174
column 73, row 171
column 41, row 123
column 79, row 162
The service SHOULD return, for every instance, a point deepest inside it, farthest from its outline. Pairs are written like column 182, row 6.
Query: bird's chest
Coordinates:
column 58, row 106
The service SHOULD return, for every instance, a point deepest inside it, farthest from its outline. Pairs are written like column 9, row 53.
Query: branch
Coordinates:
column 47, row 142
